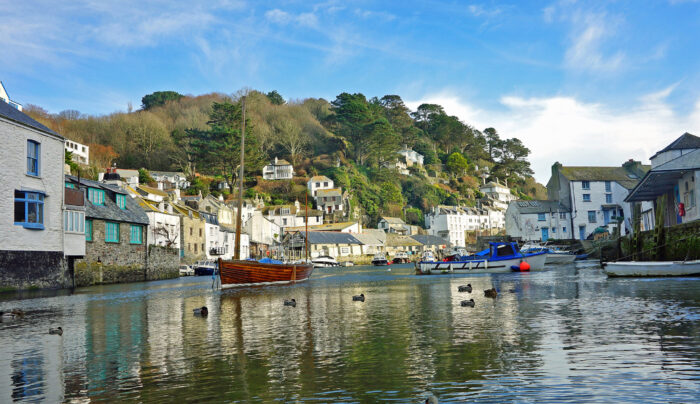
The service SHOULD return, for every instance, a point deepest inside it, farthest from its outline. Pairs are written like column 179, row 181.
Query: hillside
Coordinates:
column 353, row 140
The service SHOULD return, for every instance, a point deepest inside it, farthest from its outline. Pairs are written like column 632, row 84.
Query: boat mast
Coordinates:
column 237, row 248
column 306, row 221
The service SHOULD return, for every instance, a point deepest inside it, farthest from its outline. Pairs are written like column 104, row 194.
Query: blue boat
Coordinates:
column 499, row 257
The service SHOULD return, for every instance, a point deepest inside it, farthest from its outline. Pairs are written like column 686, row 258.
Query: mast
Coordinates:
column 237, row 248
column 306, row 221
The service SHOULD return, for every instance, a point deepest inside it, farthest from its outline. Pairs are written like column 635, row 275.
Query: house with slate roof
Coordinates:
column 318, row 182
column 595, row 196
column 278, row 170
column 31, row 196
column 538, row 220
column 192, row 245
column 116, row 227
column 393, row 225
column 675, row 173
column 334, row 244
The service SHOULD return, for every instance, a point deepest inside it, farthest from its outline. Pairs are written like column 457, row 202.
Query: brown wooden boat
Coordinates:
column 249, row 273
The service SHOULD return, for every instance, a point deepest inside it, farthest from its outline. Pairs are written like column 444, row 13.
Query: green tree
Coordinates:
column 415, row 216
column 457, row 164
column 493, row 143
column 144, row 176
column 159, row 98
column 275, row 97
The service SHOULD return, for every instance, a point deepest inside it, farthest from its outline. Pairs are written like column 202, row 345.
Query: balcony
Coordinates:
column 217, row 251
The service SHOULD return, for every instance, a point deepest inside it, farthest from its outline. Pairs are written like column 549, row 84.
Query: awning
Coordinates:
column 654, row 184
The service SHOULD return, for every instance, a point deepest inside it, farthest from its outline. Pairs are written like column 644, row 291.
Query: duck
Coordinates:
column 56, row 331
column 292, row 302
column 467, row 303
column 465, row 288
column 359, row 298
column 431, row 399
column 492, row 293
column 202, row 311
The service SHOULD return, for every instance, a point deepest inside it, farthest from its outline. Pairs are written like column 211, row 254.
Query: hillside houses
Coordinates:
column 278, row 170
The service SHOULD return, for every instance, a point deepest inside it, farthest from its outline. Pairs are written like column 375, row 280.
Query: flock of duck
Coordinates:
column 492, row 293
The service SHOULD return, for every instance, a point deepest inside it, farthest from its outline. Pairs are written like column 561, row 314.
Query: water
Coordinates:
column 563, row 335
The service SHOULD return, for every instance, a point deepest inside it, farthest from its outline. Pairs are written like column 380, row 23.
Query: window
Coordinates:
column 608, row 186
column 96, row 196
column 33, row 150
column 29, row 209
column 111, row 232
column 284, row 222
column 591, row 216
column 608, row 198
column 540, row 217
column 554, row 229
column 200, row 232
column 325, row 184
column 586, row 197
column 191, row 231
column 585, row 185
column 73, row 221
column 70, row 185
column 121, row 201
column 136, row 234
column 202, row 248
column 563, row 229
column 88, row 230
column 691, row 197
column 562, row 215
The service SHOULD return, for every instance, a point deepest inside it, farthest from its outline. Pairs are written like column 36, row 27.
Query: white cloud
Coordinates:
column 282, row 17
column 585, row 52
column 278, row 16
column 381, row 15
column 478, row 10
column 573, row 132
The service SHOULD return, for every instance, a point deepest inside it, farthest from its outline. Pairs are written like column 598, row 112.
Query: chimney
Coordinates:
column 170, row 208
column 275, row 160
column 221, row 197
column 161, row 206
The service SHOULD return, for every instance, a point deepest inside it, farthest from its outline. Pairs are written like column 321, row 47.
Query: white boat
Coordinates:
column 379, row 259
column 347, row 263
column 186, row 270
column 401, row 257
column 559, row 257
column 427, row 256
column 652, row 268
column 204, row 267
column 500, row 257
column 324, row 261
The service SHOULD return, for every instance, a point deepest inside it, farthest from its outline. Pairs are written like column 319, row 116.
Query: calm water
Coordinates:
column 568, row 334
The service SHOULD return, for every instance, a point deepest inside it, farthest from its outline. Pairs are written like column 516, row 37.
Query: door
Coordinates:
column 545, row 234
column 582, row 232
column 606, row 216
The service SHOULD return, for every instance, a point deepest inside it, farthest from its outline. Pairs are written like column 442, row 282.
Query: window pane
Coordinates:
column 19, row 212
column 32, row 212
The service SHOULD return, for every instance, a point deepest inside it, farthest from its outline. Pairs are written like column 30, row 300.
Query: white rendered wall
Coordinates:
column 597, row 192
column 14, row 177
column 171, row 222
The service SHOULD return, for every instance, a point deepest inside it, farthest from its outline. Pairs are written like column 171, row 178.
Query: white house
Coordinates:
column 4, row 97
column 498, row 193
column 538, row 220
column 318, row 182
column 163, row 223
column 451, row 222
column 32, row 187
column 131, row 177
column 329, row 200
column 80, row 152
column 263, row 234
column 393, row 225
column 278, row 170
column 286, row 216
column 73, row 222
column 398, row 165
column 170, row 179
column 595, row 196
column 675, row 173
column 412, row 157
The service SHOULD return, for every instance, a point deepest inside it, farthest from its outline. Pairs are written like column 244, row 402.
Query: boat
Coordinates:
column 347, row 263
column 427, row 256
column 401, row 257
column 325, row 261
column 240, row 272
column 204, row 267
column 555, row 255
column 455, row 254
column 379, row 259
column 652, row 268
column 499, row 257
column 186, row 270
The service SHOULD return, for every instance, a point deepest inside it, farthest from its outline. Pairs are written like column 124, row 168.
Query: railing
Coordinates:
column 217, row 251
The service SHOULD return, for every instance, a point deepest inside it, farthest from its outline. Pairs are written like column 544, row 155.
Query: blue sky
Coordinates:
column 584, row 83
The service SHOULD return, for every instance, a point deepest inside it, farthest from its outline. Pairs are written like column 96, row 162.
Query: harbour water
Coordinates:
column 568, row 334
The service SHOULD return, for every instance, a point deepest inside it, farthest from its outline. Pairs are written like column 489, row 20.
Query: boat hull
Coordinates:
column 238, row 273
column 379, row 263
column 203, row 271
column 536, row 262
column 560, row 258
column 652, row 268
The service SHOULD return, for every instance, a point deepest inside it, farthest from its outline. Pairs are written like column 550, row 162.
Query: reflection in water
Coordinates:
column 562, row 335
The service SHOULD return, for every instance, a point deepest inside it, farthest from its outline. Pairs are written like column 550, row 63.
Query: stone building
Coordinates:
column 32, row 187
column 192, row 246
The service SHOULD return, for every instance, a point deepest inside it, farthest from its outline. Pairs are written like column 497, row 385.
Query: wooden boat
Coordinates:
column 239, row 272
column 250, row 273
column 500, row 257
column 652, row 268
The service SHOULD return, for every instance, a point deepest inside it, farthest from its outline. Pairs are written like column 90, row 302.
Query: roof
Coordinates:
column 396, row 240
column 368, row 239
column 151, row 190
column 110, row 211
column 312, row 212
column 9, row 112
column 166, row 173
column 126, row 172
column 185, row 210
column 329, row 192
column 662, row 179
column 324, row 227
column 319, row 178
column 493, row 184
column 540, row 206
column 280, row 162
column 430, row 240
column 620, row 174
column 379, row 234
column 685, row 141
column 331, row 237
column 393, row 220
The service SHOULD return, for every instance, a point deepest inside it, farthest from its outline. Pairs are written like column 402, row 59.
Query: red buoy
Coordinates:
column 524, row 266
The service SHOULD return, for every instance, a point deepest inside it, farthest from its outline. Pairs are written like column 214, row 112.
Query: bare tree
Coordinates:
column 292, row 139
column 168, row 234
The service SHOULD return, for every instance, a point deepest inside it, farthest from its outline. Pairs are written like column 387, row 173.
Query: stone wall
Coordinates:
column 192, row 236
column 678, row 242
column 163, row 263
column 122, row 253
column 33, row 269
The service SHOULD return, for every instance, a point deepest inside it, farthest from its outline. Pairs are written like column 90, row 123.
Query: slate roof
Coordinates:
column 618, row 174
column 110, row 211
column 331, row 237
column 151, row 190
column 540, row 206
column 369, row 239
column 430, row 240
column 378, row 234
column 395, row 240
column 319, row 178
column 685, row 141
column 280, row 162
column 393, row 220
column 9, row 112
column 329, row 192
column 323, row 227
column 312, row 213
column 663, row 178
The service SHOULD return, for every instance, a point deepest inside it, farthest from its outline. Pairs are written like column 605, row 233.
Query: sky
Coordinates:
column 582, row 83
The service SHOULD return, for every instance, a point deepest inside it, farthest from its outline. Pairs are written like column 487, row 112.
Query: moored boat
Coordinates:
column 235, row 273
column 652, row 268
column 379, row 259
column 324, row 261
column 559, row 257
column 204, row 268
column 401, row 257
column 499, row 257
